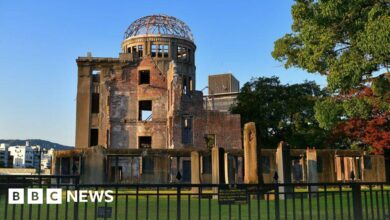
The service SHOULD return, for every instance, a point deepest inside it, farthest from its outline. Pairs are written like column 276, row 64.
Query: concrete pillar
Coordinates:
column 250, row 154
column 83, row 106
column 53, row 165
column 312, row 174
column 283, row 164
column 195, row 170
column 227, row 168
column 338, row 161
column 217, row 169
column 304, row 169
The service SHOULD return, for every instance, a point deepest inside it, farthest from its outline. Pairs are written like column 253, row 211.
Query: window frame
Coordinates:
column 153, row 50
column 141, row 104
column 143, row 80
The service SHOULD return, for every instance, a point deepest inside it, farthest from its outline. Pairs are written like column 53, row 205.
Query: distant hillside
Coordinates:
column 42, row 143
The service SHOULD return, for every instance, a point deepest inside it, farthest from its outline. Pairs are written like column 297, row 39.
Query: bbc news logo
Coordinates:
column 54, row 196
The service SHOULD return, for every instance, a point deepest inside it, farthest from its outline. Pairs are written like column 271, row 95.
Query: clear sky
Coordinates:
column 40, row 40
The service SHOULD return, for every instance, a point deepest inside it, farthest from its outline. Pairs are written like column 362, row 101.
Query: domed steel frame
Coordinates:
column 159, row 25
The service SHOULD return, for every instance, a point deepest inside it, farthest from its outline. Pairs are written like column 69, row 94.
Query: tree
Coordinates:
column 358, row 120
column 349, row 42
column 281, row 112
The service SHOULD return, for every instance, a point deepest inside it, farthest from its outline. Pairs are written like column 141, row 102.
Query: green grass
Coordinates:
column 190, row 208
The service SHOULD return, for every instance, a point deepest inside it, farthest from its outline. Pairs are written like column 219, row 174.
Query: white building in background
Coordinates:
column 4, row 155
column 22, row 156
column 27, row 156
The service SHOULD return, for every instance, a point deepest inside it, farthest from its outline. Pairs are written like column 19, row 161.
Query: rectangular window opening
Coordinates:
column 265, row 164
column 144, row 77
column 367, row 162
column 154, row 50
column 206, row 164
column 181, row 53
column 147, row 165
column 297, row 169
column 94, row 137
column 140, row 50
column 116, row 171
column 95, row 103
column 187, row 130
column 165, row 50
column 95, row 76
column 319, row 164
column 211, row 140
column 145, row 110
column 144, row 142
column 185, row 87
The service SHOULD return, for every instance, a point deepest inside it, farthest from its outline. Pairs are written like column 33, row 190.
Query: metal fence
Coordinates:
column 352, row 200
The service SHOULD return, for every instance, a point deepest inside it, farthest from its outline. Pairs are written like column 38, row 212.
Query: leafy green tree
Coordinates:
column 281, row 112
column 349, row 42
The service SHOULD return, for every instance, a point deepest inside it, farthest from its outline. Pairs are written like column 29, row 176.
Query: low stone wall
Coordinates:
column 98, row 164
column 23, row 171
column 17, row 171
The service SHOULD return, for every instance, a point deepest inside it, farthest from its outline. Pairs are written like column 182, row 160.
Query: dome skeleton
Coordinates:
column 159, row 25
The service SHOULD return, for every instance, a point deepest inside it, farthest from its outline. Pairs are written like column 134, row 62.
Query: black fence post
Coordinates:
column 357, row 201
column 277, row 208
column 178, row 203
column 76, row 203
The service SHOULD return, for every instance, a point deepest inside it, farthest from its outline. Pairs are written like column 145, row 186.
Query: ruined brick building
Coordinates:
column 141, row 120
column 146, row 97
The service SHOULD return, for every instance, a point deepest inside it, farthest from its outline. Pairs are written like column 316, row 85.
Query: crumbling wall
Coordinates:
column 327, row 160
column 270, row 154
column 119, row 110
column 160, row 173
column 93, row 170
column 374, row 171
column 225, row 126
column 126, row 93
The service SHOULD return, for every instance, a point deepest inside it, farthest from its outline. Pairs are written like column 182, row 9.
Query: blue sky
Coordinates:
column 40, row 40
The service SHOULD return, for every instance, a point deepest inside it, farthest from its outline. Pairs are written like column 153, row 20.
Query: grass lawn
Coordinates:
column 332, row 206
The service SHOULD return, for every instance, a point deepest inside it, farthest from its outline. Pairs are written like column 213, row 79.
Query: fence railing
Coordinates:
column 354, row 200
